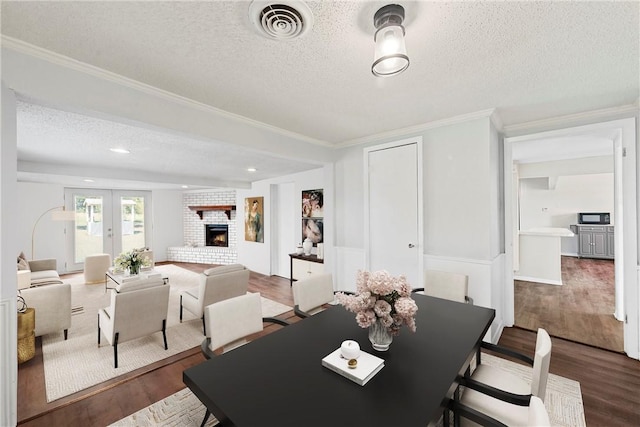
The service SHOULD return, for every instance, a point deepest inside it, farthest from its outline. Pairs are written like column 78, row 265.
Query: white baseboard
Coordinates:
column 538, row 280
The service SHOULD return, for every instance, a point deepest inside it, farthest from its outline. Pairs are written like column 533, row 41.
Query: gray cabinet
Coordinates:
column 596, row 241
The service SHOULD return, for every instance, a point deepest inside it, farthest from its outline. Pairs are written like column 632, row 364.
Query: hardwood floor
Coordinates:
column 580, row 310
column 609, row 381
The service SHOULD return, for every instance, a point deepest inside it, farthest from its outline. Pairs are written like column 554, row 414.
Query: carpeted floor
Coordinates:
column 563, row 402
column 78, row 362
column 580, row 310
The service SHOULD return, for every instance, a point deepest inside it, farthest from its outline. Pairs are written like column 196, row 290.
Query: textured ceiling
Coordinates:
column 529, row 60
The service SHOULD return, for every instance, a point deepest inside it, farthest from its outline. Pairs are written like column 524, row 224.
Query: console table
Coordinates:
column 302, row 266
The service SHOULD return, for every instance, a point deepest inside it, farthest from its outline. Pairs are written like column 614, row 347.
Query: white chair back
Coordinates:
column 233, row 319
column 446, row 285
column 538, row 416
column 224, row 285
column 311, row 293
column 139, row 313
column 541, row 364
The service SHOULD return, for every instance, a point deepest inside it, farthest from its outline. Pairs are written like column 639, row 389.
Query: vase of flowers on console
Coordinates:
column 383, row 304
column 132, row 261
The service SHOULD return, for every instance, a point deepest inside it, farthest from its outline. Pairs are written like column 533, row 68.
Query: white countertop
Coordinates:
column 547, row 231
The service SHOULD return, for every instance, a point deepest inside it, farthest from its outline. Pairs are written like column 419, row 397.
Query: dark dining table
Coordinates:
column 279, row 380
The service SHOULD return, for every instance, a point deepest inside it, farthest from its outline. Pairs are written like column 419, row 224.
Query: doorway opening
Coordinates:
column 619, row 137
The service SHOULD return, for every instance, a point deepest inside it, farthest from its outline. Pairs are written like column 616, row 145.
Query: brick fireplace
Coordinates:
column 198, row 248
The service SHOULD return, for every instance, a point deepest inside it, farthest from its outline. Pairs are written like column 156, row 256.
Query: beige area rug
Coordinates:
column 78, row 362
column 563, row 402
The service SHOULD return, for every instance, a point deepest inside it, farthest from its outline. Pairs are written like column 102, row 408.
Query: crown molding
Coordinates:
column 403, row 132
column 73, row 64
column 587, row 116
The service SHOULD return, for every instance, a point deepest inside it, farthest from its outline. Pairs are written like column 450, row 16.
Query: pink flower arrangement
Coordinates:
column 384, row 297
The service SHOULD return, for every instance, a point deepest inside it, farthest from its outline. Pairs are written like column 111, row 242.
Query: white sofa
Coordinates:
column 52, row 304
column 40, row 272
column 42, row 290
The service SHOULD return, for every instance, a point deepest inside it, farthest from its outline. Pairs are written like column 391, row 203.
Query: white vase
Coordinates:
column 307, row 245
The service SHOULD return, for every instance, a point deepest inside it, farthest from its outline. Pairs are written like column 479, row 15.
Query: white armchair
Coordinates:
column 216, row 284
column 134, row 313
column 52, row 304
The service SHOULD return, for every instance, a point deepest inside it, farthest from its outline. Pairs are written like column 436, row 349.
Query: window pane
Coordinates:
column 133, row 227
column 88, row 227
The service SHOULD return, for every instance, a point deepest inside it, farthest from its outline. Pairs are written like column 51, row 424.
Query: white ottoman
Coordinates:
column 95, row 267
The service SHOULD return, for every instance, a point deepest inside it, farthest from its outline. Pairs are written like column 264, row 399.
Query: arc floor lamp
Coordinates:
column 58, row 213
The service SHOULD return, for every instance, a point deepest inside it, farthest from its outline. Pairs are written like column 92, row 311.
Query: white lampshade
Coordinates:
column 391, row 53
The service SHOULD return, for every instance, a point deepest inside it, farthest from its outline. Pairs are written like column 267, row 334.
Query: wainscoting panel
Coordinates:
column 8, row 362
column 486, row 284
column 347, row 263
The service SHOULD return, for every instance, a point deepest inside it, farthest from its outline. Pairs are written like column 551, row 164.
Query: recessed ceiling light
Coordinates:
column 88, row 180
column 251, row 169
column 120, row 150
column 185, row 186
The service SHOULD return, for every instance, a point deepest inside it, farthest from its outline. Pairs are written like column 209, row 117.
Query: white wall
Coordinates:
column 49, row 237
column 167, row 222
column 463, row 221
column 541, row 206
column 257, row 256
column 8, row 251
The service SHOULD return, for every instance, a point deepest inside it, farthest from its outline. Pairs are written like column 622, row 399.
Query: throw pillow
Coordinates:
column 23, row 264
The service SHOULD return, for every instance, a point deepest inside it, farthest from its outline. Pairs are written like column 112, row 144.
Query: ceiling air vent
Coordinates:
column 280, row 20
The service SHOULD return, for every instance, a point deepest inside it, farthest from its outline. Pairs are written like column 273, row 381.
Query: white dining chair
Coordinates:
column 312, row 293
column 508, row 395
column 230, row 322
column 446, row 285
column 536, row 415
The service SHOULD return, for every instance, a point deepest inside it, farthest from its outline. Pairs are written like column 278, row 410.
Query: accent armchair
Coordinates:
column 215, row 284
column 135, row 313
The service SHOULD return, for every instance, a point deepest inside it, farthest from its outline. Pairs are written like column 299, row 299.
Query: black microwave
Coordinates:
column 594, row 218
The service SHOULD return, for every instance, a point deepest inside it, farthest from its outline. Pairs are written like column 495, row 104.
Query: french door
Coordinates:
column 106, row 221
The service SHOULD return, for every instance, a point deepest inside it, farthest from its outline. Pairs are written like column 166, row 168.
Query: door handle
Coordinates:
column 411, row 245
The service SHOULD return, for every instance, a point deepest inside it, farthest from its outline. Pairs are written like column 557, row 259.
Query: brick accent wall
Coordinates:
column 194, row 249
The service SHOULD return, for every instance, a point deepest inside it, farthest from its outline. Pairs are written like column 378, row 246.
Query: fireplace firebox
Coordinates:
column 216, row 235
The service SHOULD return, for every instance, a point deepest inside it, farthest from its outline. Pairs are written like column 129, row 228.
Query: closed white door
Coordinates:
column 283, row 215
column 393, row 209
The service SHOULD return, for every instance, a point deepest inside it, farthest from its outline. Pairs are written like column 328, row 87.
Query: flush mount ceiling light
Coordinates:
column 391, row 53
column 251, row 169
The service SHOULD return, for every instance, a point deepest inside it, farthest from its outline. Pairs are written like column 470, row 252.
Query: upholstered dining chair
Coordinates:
column 537, row 415
column 503, row 395
column 215, row 284
column 230, row 322
column 446, row 285
column 312, row 293
column 135, row 312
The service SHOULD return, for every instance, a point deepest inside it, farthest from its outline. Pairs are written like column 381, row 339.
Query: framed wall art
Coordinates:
column 312, row 216
column 254, row 219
